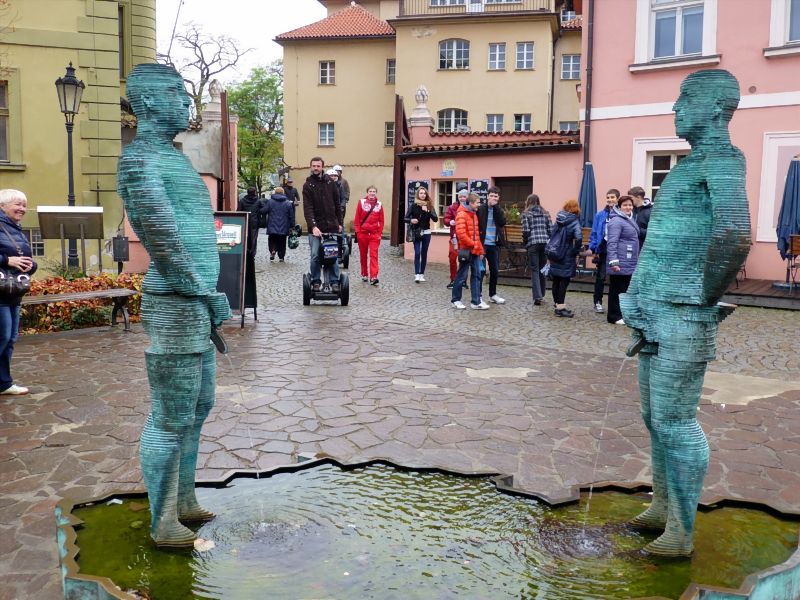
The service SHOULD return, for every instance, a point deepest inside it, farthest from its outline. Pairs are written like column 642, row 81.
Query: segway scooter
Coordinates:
column 331, row 248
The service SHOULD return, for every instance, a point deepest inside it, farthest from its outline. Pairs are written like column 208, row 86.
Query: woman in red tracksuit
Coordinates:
column 369, row 228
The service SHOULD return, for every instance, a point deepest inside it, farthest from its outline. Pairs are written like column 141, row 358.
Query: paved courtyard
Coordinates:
column 398, row 374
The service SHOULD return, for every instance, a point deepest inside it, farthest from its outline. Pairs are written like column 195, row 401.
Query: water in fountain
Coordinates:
column 379, row 532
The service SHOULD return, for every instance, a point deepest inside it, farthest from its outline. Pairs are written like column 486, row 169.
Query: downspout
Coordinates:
column 587, row 123
column 552, row 80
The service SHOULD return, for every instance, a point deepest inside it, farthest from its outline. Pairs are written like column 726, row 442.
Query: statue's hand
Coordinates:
column 219, row 308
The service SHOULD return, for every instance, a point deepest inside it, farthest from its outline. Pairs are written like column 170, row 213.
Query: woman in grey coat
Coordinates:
column 623, row 254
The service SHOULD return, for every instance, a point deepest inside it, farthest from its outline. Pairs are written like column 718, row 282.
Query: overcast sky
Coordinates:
column 254, row 23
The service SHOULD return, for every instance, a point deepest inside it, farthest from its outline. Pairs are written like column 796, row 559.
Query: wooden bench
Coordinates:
column 118, row 295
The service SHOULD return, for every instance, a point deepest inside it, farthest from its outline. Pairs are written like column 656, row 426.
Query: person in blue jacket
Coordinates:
column 564, row 270
column 597, row 244
column 15, row 257
column 280, row 221
column 623, row 254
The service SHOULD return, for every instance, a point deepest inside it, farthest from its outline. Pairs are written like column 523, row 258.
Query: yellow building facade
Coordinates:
column 488, row 65
column 104, row 40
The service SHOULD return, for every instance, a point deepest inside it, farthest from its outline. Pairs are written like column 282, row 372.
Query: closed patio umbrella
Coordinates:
column 587, row 198
column 789, row 217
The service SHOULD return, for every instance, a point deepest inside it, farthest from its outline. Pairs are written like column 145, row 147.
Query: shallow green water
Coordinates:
column 382, row 533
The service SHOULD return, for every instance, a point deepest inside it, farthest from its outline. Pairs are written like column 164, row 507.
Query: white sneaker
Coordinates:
column 459, row 305
column 417, row 278
column 15, row 390
column 481, row 306
column 497, row 299
column 598, row 307
column 620, row 322
column 421, row 277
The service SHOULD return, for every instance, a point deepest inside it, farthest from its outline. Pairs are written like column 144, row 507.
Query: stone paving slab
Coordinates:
column 396, row 375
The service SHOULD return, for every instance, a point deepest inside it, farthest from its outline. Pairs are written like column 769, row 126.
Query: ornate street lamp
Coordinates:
column 70, row 90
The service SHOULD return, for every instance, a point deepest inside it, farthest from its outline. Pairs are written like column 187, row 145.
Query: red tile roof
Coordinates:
column 573, row 24
column 501, row 142
column 353, row 21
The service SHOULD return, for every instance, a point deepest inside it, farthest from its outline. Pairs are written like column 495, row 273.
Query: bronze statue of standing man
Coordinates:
column 170, row 210
column 697, row 240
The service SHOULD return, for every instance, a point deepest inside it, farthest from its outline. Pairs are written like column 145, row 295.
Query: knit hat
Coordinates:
column 463, row 193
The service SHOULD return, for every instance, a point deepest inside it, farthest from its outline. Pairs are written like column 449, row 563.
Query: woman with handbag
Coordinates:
column 419, row 217
column 16, row 267
column 369, row 228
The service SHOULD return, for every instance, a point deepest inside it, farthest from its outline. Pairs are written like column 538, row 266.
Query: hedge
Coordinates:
column 61, row 316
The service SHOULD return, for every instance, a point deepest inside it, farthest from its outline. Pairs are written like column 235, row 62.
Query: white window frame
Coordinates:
column 498, row 61
column 327, row 72
column 329, row 132
column 645, row 38
column 35, row 240
column 447, row 2
column 494, row 122
column 779, row 22
column 388, row 133
column 674, row 156
column 523, row 46
column 453, row 46
column 570, row 125
column 391, row 70
column 455, row 116
column 569, row 67
column 523, row 120
column 5, row 118
column 773, row 180
column 446, row 190
column 643, row 148
column 13, row 115
column 568, row 15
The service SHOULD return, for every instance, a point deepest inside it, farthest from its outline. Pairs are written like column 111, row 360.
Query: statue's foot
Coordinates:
column 652, row 518
column 174, row 535
column 195, row 514
column 671, row 545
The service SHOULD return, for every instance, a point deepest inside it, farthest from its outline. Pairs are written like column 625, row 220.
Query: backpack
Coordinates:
column 261, row 218
column 558, row 245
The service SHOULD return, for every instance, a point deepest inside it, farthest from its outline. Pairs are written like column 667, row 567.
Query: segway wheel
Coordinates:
column 306, row 290
column 344, row 289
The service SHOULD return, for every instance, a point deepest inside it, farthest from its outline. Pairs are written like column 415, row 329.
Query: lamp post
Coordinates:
column 70, row 90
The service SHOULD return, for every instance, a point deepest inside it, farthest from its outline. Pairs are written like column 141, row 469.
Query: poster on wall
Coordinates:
column 412, row 189
column 480, row 187
column 231, row 228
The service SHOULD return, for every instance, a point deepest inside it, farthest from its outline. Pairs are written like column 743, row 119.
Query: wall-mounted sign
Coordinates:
column 449, row 165
column 480, row 187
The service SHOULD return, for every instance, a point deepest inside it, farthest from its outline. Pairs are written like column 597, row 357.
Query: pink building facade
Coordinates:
column 643, row 49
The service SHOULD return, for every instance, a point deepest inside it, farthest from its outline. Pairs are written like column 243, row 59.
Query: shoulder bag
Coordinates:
column 464, row 254
column 364, row 220
column 13, row 285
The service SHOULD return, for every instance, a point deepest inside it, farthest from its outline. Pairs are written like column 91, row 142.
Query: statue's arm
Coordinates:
column 153, row 217
column 730, row 224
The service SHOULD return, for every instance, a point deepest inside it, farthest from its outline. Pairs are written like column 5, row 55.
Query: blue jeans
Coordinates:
column 475, row 280
column 331, row 273
column 421, row 253
column 493, row 258
column 9, row 331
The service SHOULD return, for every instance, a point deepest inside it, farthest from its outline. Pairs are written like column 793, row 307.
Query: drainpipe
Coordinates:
column 552, row 80
column 587, row 123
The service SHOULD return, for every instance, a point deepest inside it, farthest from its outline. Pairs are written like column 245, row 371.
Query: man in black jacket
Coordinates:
column 491, row 220
column 251, row 203
column 291, row 192
column 324, row 213
column 641, row 212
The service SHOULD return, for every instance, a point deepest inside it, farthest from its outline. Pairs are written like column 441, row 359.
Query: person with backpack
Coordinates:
column 562, row 249
column 280, row 212
column 597, row 244
column 536, row 230
column 369, row 228
column 623, row 254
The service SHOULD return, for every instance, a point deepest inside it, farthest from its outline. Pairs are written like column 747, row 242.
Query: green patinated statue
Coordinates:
column 697, row 240
column 170, row 210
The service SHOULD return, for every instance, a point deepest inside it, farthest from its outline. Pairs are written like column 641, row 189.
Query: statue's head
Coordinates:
column 157, row 95
column 707, row 101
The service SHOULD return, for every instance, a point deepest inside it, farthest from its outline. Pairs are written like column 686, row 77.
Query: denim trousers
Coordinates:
column 9, row 330
column 537, row 260
column 473, row 265
column 421, row 253
column 331, row 273
column 493, row 260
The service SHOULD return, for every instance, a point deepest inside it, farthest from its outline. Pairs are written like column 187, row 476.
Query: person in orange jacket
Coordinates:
column 470, row 254
column 369, row 227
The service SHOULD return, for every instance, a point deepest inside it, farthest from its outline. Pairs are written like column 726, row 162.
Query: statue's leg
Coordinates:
column 675, row 394
column 655, row 517
column 174, row 386
column 188, row 508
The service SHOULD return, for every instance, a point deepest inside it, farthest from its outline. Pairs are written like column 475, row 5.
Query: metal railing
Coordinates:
column 415, row 8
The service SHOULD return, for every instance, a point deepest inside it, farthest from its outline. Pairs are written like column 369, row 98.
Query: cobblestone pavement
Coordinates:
column 398, row 374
